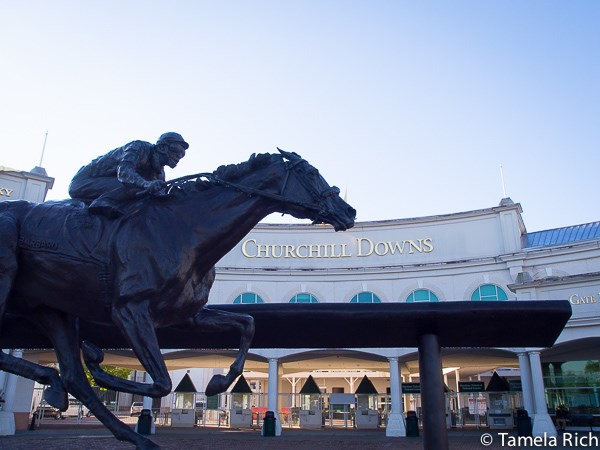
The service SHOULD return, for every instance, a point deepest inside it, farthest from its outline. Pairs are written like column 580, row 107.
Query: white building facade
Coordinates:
column 483, row 255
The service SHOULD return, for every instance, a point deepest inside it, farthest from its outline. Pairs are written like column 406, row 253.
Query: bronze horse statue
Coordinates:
column 152, row 268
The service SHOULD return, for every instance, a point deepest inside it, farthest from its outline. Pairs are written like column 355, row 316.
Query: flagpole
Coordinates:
column 502, row 181
column 43, row 150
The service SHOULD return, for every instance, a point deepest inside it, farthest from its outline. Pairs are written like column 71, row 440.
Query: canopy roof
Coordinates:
column 377, row 325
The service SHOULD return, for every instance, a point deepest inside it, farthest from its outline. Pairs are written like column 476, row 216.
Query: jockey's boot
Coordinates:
column 102, row 207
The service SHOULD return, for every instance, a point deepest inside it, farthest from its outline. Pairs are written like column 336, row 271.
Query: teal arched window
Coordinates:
column 489, row 293
column 422, row 295
column 304, row 298
column 248, row 297
column 365, row 297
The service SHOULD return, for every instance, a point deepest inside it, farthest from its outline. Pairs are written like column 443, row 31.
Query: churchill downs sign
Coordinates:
column 361, row 247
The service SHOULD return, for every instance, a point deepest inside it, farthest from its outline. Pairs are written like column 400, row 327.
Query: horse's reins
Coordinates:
column 318, row 206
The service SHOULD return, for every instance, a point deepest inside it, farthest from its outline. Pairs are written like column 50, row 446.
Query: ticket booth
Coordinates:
column 240, row 412
column 183, row 413
column 500, row 412
column 311, row 405
column 367, row 414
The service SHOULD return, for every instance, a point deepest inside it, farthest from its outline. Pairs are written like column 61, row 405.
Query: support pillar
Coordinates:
column 435, row 434
column 458, row 397
column 294, row 382
column 542, row 423
column 396, row 427
column 273, row 397
column 7, row 415
column 7, row 420
column 526, row 384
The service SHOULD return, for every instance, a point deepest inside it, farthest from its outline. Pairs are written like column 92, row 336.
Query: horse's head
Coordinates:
column 309, row 196
column 289, row 183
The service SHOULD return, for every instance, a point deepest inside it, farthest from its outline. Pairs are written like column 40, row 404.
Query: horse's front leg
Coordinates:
column 215, row 320
column 137, row 325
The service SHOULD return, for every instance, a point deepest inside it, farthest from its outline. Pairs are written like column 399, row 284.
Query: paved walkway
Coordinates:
column 98, row 438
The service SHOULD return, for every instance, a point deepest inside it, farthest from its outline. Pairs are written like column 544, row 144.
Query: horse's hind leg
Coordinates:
column 55, row 394
column 216, row 320
column 62, row 332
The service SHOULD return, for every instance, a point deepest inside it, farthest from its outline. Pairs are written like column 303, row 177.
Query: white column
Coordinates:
column 395, row 425
column 11, row 384
column 457, row 387
column 294, row 382
column 542, row 423
column 273, row 398
column 7, row 415
column 11, row 390
column 351, row 381
column 22, row 403
column 526, row 384
column 7, row 420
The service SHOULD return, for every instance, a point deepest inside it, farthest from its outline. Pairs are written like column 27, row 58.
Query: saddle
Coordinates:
column 66, row 228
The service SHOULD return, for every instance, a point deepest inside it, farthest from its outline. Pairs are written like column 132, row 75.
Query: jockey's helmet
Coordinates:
column 172, row 137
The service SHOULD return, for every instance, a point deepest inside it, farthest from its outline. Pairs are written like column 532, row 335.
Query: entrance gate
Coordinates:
column 341, row 410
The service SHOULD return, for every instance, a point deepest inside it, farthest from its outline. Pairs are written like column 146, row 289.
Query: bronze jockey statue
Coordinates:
column 125, row 173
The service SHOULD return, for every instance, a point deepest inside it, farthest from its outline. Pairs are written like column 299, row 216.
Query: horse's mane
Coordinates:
column 229, row 172
column 233, row 172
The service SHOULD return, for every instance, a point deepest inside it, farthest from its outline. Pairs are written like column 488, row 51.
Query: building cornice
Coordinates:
column 401, row 222
column 555, row 281
column 383, row 269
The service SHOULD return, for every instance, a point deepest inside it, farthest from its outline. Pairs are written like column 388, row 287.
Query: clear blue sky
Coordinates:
column 410, row 106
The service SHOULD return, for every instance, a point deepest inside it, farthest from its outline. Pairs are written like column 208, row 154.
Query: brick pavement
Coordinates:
column 98, row 438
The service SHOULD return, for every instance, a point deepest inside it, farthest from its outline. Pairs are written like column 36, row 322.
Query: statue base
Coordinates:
column 543, row 426
column 395, row 426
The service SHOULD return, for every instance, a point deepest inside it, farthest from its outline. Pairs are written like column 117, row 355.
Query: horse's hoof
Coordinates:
column 216, row 385
column 92, row 353
column 57, row 398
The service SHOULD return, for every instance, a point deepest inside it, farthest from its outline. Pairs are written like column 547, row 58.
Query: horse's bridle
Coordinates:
column 319, row 198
